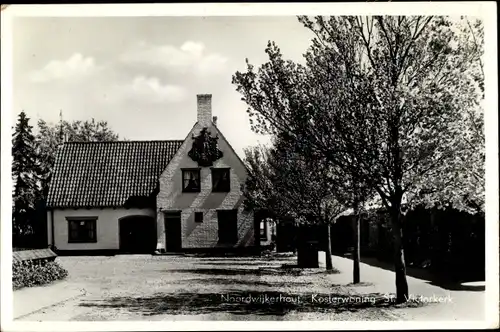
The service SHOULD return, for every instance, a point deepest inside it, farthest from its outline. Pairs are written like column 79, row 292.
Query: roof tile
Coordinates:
column 106, row 174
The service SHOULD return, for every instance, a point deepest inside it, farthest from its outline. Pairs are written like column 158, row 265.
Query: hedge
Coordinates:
column 446, row 241
column 35, row 273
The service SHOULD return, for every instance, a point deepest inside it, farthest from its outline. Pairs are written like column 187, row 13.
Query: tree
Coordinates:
column 366, row 100
column 289, row 185
column 51, row 136
column 33, row 160
column 88, row 131
column 258, row 187
column 24, row 176
column 340, row 187
column 284, row 98
column 460, row 182
column 413, row 62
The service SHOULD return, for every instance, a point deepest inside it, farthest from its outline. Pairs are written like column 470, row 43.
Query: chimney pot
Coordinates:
column 204, row 109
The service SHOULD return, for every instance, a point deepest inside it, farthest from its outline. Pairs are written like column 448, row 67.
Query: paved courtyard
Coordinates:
column 216, row 288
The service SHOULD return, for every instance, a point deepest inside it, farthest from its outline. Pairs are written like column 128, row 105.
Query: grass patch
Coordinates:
column 35, row 273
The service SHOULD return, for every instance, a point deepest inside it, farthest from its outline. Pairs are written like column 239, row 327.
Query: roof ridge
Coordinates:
column 116, row 142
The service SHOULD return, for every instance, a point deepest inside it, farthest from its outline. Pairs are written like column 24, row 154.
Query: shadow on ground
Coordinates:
column 243, row 303
column 360, row 284
column 262, row 271
column 238, row 282
column 270, row 257
column 432, row 278
column 457, row 286
column 242, row 263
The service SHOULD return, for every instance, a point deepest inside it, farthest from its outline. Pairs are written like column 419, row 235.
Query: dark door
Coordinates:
column 137, row 235
column 173, row 231
column 228, row 226
column 286, row 236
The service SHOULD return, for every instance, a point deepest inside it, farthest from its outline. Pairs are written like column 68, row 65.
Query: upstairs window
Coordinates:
column 220, row 180
column 191, row 180
column 82, row 229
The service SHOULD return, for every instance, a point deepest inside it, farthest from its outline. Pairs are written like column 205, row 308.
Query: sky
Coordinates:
column 142, row 74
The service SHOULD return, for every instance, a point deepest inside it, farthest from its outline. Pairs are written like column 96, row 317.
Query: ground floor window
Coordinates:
column 228, row 226
column 82, row 229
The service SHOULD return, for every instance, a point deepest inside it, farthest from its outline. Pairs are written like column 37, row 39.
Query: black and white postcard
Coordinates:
column 249, row 166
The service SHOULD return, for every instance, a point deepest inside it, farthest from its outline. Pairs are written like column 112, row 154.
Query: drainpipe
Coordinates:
column 52, row 229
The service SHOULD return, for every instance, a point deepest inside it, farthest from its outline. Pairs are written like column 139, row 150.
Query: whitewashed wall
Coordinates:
column 107, row 227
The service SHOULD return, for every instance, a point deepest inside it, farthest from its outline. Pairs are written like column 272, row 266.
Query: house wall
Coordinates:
column 107, row 227
column 171, row 197
column 50, row 240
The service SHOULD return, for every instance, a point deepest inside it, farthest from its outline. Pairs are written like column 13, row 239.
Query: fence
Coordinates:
column 446, row 241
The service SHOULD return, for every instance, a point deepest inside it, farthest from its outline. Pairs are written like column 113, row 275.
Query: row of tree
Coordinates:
column 32, row 164
column 385, row 110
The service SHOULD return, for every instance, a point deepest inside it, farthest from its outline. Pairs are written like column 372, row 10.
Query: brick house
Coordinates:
column 142, row 196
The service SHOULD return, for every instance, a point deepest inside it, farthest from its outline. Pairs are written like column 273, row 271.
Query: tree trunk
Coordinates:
column 328, row 249
column 399, row 259
column 357, row 244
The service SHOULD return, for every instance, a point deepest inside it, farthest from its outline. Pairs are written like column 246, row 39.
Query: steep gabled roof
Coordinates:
column 107, row 174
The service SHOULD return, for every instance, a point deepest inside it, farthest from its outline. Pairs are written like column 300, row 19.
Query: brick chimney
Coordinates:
column 205, row 110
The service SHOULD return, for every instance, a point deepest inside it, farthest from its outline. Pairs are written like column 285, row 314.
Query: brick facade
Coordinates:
column 204, row 111
column 171, row 197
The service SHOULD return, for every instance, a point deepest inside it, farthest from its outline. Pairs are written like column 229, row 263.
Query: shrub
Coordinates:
column 34, row 273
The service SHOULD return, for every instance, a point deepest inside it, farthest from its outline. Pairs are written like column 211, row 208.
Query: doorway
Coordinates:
column 137, row 234
column 228, row 226
column 173, row 235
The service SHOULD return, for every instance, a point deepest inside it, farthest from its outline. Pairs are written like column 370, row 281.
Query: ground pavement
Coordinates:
column 230, row 288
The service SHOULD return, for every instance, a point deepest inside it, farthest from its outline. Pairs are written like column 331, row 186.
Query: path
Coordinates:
column 466, row 304
column 30, row 300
